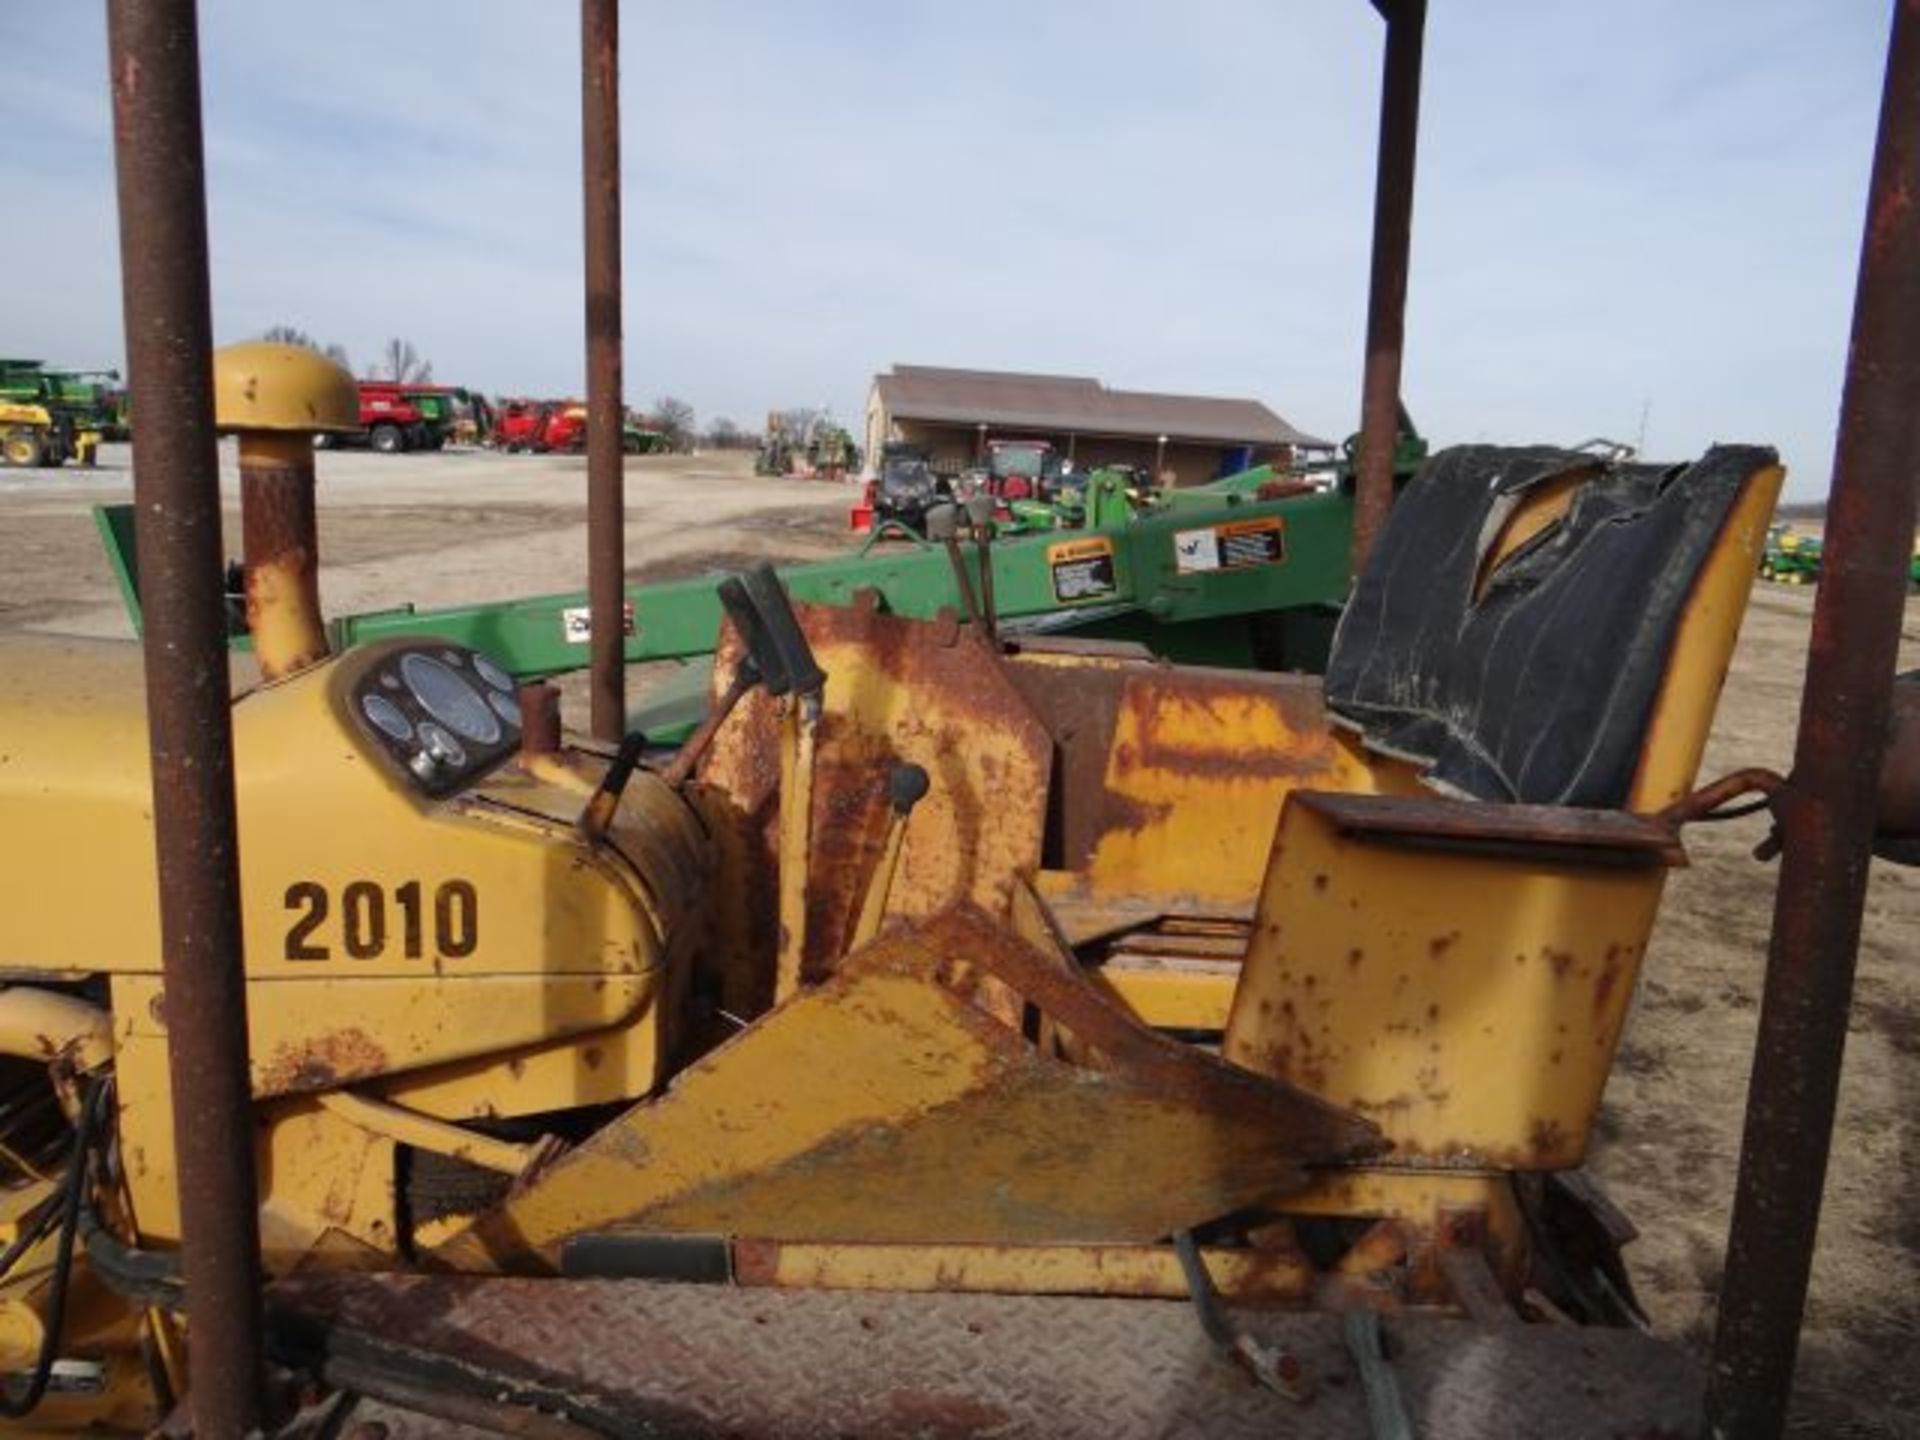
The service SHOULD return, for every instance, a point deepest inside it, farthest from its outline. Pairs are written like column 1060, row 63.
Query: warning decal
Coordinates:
column 1232, row 545
column 576, row 623
column 1082, row 570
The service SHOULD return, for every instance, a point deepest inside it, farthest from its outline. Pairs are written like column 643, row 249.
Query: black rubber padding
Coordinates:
column 769, row 598
column 760, row 649
column 906, row 787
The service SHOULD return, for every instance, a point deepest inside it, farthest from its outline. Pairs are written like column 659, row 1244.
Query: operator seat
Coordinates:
column 1540, row 638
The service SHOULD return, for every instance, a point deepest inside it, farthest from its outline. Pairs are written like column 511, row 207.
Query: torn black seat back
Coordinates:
column 1528, row 672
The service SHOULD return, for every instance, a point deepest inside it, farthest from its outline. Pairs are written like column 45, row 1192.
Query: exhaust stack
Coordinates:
column 276, row 398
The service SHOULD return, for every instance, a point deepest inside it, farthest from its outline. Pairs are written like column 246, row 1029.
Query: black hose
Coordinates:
column 149, row 1278
column 17, row 1404
column 32, row 1227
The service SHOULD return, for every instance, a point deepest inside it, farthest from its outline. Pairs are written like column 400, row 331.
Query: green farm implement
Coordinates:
column 1235, row 581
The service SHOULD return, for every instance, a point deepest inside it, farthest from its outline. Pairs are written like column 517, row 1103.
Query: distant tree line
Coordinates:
column 294, row 335
column 400, row 361
column 723, row 434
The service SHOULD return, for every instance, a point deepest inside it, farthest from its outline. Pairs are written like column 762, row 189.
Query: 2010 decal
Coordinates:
column 364, row 929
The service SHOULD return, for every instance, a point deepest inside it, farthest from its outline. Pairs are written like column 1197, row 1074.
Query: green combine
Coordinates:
column 59, row 415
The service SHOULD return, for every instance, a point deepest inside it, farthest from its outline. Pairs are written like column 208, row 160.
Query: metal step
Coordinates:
column 694, row 1360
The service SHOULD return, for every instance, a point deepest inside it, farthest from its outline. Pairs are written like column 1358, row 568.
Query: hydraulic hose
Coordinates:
column 17, row 1403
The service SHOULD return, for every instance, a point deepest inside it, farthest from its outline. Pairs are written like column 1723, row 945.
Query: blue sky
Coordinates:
column 1638, row 208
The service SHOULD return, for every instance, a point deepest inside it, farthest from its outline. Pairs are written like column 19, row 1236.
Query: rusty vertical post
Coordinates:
column 155, row 67
column 280, row 537
column 1387, row 290
column 606, row 479
column 1828, row 818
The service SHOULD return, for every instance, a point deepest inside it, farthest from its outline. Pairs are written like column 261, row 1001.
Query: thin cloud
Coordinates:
column 1636, row 209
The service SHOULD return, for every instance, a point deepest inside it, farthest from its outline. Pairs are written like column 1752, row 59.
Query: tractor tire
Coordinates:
column 388, row 439
column 20, row 448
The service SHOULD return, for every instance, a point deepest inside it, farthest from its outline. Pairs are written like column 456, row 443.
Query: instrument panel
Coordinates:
column 443, row 714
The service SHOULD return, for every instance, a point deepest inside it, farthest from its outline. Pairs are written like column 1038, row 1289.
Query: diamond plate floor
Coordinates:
column 701, row 1361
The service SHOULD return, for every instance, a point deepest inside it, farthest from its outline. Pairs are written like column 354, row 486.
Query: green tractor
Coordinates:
column 1792, row 557
column 640, row 436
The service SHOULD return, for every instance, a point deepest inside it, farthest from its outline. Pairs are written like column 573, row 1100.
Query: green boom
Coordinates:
column 1239, row 582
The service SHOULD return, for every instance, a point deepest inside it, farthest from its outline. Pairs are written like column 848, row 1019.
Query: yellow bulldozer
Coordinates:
column 934, row 963
column 961, row 1034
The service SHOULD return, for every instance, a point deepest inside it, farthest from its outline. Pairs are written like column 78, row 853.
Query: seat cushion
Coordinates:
column 1534, row 682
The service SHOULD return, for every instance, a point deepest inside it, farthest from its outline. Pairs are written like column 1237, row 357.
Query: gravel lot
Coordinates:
column 454, row 527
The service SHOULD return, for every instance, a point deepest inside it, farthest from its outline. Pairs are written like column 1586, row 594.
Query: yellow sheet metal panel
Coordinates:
column 1199, row 766
column 348, row 870
column 1469, row 1004
column 897, row 691
column 323, row 1180
column 1703, row 648
column 1172, row 997
column 74, row 797
column 921, row 1118
column 597, row 1067
column 307, row 1035
column 1148, row 1271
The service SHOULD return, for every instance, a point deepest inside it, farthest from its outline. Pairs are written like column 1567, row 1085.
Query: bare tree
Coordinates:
column 797, row 424
column 294, row 335
column 723, row 434
column 674, row 417
column 401, row 363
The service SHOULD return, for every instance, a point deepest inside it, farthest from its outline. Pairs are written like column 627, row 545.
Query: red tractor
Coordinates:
column 560, row 426
column 541, row 426
column 397, row 417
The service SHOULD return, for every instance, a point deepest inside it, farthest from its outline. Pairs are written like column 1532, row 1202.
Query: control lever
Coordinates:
column 597, row 818
column 980, row 513
column 761, row 665
column 680, row 769
column 798, row 743
column 783, row 631
column 906, row 787
column 745, row 614
column 943, row 525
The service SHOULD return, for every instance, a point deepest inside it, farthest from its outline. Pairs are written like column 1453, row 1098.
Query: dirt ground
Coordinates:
column 440, row 529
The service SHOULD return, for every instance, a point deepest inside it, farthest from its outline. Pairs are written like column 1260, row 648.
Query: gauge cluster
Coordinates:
column 443, row 713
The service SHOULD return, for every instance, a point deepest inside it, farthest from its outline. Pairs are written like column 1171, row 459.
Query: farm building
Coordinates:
column 954, row 413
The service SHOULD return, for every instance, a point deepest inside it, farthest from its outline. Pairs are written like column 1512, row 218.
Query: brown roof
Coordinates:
column 1009, row 400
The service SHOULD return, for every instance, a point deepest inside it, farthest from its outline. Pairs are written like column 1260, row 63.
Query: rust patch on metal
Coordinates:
column 1546, row 1141
column 282, row 546
column 1080, row 706
column 1148, row 698
column 323, row 1063
column 898, row 690
column 1612, row 968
